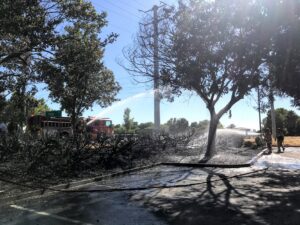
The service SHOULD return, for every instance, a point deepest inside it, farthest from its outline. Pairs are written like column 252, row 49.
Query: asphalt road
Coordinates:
column 92, row 205
column 172, row 195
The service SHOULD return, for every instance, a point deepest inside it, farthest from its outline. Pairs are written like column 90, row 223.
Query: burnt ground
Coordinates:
column 15, row 179
column 166, row 195
column 178, row 196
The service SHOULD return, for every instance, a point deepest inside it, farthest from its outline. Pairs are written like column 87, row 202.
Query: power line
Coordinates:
column 97, row 6
column 117, row 12
column 125, row 10
column 126, row 4
column 119, row 27
column 139, row 3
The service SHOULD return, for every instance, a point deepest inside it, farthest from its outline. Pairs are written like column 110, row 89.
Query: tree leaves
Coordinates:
column 62, row 39
column 76, row 76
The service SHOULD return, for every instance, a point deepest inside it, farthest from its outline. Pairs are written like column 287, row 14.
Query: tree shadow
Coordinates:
column 261, row 198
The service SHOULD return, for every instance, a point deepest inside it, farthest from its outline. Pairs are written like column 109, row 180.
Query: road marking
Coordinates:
column 49, row 215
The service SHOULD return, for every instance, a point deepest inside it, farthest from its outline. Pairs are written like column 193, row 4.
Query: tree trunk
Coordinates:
column 74, row 122
column 271, row 100
column 259, row 109
column 273, row 118
column 211, row 142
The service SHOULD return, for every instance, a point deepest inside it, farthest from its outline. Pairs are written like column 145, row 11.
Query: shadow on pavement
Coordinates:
column 263, row 198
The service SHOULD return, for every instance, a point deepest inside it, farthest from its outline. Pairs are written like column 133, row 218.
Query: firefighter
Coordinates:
column 268, row 139
column 280, row 139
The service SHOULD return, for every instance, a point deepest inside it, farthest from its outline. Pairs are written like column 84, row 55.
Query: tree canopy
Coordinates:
column 179, row 125
column 283, row 29
column 287, row 120
column 56, row 42
column 213, row 48
column 17, row 108
column 33, row 26
column 76, row 76
column 128, row 121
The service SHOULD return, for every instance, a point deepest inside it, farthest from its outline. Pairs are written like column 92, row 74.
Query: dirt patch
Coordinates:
column 292, row 141
column 289, row 141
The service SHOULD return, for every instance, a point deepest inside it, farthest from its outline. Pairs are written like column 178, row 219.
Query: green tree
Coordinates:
column 18, row 108
column 76, row 76
column 283, row 28
column 210, row 48
column 119, row 129
column 194, row 125
column 175, row 125
column 215, row 55
column 171, row 125
column 182, row 124
column 146, row 125
column 31, row 28
column 128, row 121
column 203, row 125
column 32, row 31
column 291, row 123
column 280, row 117
column 231, row 126
column 26, row 26
column 286, row 120
column 40, row 107
column 135, row 126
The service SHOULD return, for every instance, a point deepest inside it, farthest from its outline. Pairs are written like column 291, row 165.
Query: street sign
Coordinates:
column 55, row 113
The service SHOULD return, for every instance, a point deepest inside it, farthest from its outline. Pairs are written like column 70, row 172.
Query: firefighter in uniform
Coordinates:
column 280, row 139
column 268, row 139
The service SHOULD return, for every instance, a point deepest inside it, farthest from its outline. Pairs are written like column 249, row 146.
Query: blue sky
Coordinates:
column 123, row 18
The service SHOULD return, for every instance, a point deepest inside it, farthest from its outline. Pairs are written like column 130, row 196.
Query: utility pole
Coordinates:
column 271, row 100
column 271, row 97
column 155, row 35
column 259, row 113
column 156, row 71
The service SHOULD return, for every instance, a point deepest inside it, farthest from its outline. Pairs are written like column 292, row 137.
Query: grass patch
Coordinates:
column 289, row 141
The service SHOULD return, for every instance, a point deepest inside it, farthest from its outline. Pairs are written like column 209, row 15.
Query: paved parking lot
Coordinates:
column 172, row 195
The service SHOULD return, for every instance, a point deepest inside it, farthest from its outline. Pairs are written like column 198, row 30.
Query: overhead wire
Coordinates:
column 116, row 12
column 126, row 4
column 125, row 13
column 125, row 10
column 138, row 3
column 119, row 27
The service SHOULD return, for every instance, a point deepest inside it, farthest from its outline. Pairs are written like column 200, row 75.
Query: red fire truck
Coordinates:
column 99, row 126
column 49, row 126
